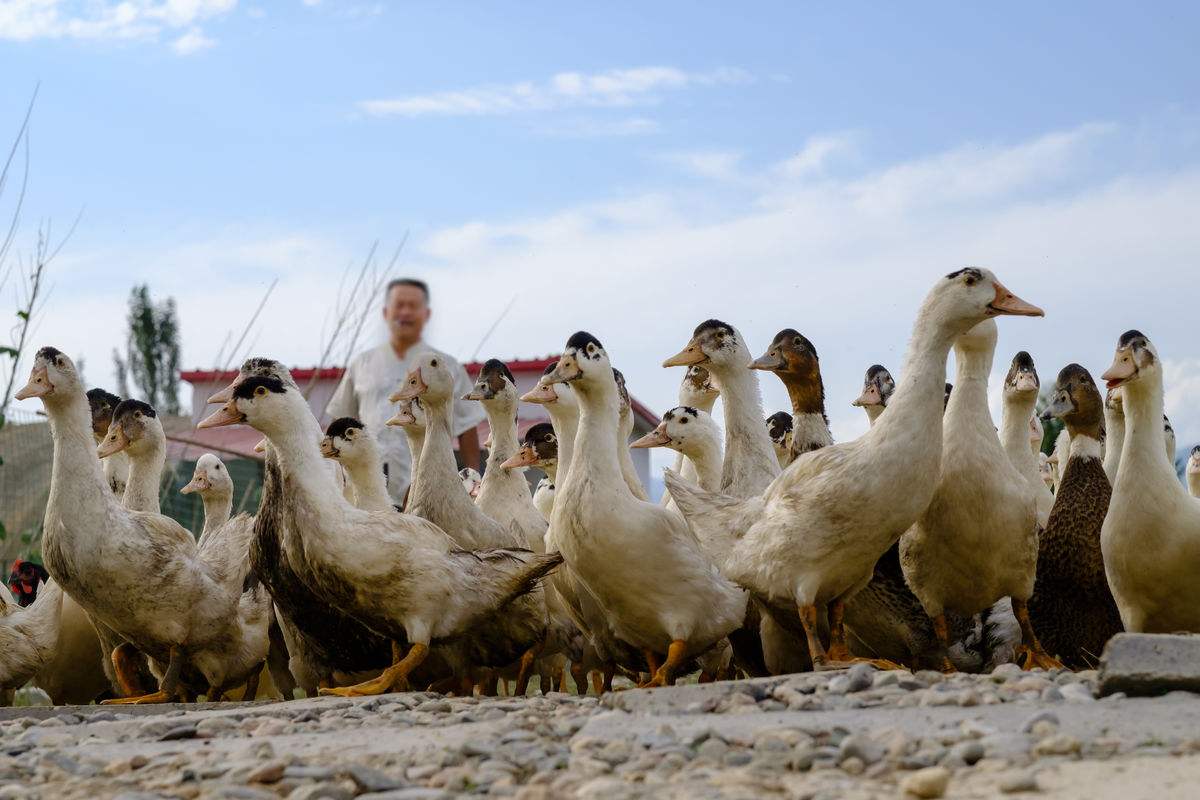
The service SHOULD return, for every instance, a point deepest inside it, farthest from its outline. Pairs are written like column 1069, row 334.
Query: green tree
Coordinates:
column 152, row 351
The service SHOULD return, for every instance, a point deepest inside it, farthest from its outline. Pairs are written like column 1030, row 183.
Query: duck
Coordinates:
column 625, row 426
column 779, row 428
column 325, row 645
column 1036, row 434
column 27, row 637
column 116, row 468
column 410, row 417
column 417, row 586
column 539, row 449
column 1072, row 608
column 471, row 481
column 750, row 463
column 977, row 541
column 1045, row 471
column 1114, row 433
column 1058, row 457
column 137, row 432
column 878, row 387
column 1193, row 471
column 504, row 493
column 1151, row 535
column 696, row 390
column 693, row 433
column 1169, row 439
column 794, row 360
column 649, row 573
column 185, row 614
column 1020, row 395
column 814, row 537
column 211, row 480
column 348, row 442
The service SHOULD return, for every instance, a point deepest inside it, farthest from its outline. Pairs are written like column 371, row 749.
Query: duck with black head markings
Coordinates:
column 779, row 428
column 396, row 573
column 878, row 386
column 185, row 611
column 348, row 442
column 1151, row 535
column 1193, row 471
column 116, row 466
column 694, row 434
column 814, row 537
column 1072, row 608
column 658, row 588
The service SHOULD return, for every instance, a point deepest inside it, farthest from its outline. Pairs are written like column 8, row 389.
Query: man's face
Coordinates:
column 406, row 312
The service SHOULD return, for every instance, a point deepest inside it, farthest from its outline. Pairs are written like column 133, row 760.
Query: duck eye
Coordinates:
column 137, row 414
column 683, row 421
column 970, row 279
column 260, row 391
column 433, row 362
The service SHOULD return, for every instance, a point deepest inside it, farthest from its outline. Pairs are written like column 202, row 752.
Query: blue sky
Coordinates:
column 632, row 168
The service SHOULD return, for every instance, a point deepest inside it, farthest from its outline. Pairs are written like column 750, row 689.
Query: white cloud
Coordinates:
column 192, row 42
column 598, row 128
column 27, row 20
column 1111, row 249
column 614, row 88
column 722, row 165
column 815, row 154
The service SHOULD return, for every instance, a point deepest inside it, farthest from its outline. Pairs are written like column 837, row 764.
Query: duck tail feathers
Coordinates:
column 716, row 519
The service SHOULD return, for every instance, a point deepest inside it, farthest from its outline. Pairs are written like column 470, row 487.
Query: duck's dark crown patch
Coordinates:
column 245, row 390
column 339, row 426
column 126, row 407
column 581, row 339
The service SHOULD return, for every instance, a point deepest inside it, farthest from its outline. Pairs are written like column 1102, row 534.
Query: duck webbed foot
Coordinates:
column 145, row 699
column 665, row 675
column 168, row 690
column 1030, row 654
column 526, row 669
column 392, row 679
column 838, row 656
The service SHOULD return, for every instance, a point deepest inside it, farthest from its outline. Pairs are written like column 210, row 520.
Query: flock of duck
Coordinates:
column 933, row 540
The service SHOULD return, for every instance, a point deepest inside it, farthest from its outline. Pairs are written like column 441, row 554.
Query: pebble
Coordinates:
column 322, row 791
column 1057, row 745
column 862, row 748
column 271, row 772
column 1041, row 716
column 1021, row 781
column 927, row 783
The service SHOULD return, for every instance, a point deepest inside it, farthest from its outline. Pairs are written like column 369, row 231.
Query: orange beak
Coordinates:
column 414, row 386
column 1123, row 368
column 565, row 371
column 1008, row 303
column 692, row 354
column 114, row 442
column 540, row 394
column 869, row 397
column 38, row 386
column 261, row 446
column 199, row 483
column 655, row 438
column 225, row 415
column 525, row 457
column 327, row 448
column 226, row 394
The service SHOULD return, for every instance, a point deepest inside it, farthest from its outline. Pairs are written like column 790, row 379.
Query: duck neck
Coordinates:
column 367, row 478
column 705, row 455
column 1145, row 441
column 1014, row 434
column 746, row 437
column 1085, row 442
column 625, row 423
column 145, row 475
column 437, row 472
column 873, row 413
column 551, row 471
column 917, row 403
column 599, row 410
column 566, row 428
column 1193, row 481
column 79, row 494
column 1114, row 441
column 302, row 468
column 218, row 506
column 502, row 420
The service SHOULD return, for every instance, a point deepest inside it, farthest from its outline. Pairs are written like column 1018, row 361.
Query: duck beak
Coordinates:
column 870, row 397
column 692, row 354
column 540, row 394
column 565, row 371
column 39, row 384
column 1123, row 369
column 327, row 448
column 1006, row 302
column 1026, row 382
column 414, row 386
column 525, row 457
column 199, row 483
column 225, row 415
column 768, row 362
column 226, row 394
column 401, row 418
column 479, row 393
column 114, row 442
column 655, row 438
column 261, row 447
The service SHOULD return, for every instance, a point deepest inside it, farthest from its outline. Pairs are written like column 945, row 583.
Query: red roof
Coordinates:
column 299, row 373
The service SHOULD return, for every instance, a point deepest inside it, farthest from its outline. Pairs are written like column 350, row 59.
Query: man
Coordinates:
column 375, row 374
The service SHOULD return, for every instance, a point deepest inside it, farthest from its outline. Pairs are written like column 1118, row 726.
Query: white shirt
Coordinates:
column 375, row 374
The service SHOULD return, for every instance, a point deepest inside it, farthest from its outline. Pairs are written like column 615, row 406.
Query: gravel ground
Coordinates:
column 853, row 734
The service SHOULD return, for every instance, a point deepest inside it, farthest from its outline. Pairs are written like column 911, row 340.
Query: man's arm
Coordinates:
column 468, row 448
column 344, row 402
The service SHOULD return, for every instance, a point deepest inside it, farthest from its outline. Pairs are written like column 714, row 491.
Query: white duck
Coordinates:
column 977, row 542
column 186, row 609
column 694, row 434
column 697, row 391
column 398, row 573
column 116, row 467
column 211, row 480
column 1021, row 387
column 750, row 463
column 816, row 534
column 471, row 481
column 625, row 424
column 878, row 387
column 27, row 637
column 539, row 449
column 348, row 442
column 649, row 573
column 1193, row 472
column 1151, row 535
column 1114, row 433
column 504, row 493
